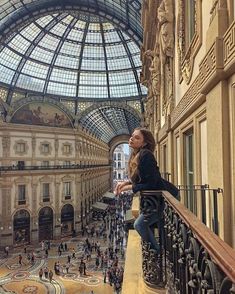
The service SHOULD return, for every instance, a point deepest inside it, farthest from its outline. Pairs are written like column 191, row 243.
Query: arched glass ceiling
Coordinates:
column 124, row 12
column 79, row 56
column 108, row 122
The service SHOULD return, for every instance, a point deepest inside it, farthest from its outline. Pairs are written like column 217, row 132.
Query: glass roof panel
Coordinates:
column 10, row 58
column 71, row 49
column 67, row 62
column 30, row 83
column 58, row 29
column 6, row 74
column 35, row 69
column 30, row 31
column 61, row 89
column 119, row 78
column 49, row 41
column 43, row 21
column 60, row 75
column 40, row 54
column 19, row 44
column 93, row 79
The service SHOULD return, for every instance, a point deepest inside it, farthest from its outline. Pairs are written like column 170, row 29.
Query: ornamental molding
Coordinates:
column 64, row 152
column 67, row 179
column 187, row 55
column 46, row 179
column 26, row 147
column 49, row 148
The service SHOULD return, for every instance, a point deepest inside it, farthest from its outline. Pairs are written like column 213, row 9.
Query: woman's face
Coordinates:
column 136, row 140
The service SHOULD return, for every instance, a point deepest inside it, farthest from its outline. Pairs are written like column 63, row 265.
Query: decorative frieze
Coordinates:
column 229, row 46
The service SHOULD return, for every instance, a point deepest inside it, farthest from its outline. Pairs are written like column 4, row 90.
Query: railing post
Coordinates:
column 151, row 202
column 215, row 220
column 203, row 203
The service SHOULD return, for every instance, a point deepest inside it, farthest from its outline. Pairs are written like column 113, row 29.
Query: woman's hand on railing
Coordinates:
column 122, row 186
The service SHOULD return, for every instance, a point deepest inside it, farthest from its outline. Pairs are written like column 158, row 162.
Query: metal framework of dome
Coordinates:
column 75, row 52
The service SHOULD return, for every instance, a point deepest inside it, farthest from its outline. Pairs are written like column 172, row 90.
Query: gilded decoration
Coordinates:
column 3, row 94
column 188, row 53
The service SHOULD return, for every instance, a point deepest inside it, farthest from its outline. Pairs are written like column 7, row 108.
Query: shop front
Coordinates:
column 45, row 222
column 67, row 220
column 21, row 227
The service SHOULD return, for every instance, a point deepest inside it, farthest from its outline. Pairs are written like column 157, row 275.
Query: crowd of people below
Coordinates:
column 101, row 247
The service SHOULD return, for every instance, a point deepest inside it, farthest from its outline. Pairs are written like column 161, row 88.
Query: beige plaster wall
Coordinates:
column 219, row 154
column 0, row 147
column 231, row 85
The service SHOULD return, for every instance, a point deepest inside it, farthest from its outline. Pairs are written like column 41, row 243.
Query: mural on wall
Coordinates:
column 41, row 114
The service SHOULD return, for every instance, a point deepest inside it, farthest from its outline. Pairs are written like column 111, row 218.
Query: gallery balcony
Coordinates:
column 49, row 168
column 193, row 258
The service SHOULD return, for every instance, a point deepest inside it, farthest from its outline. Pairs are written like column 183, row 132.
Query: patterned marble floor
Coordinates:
column 21, row 279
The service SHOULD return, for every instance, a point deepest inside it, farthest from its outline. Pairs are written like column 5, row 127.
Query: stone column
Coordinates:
column 7, row 222
column 34, row 219
column 57, row 216
column 77, row 202
column 56, row 150
column 6, row 144
column 33, row 149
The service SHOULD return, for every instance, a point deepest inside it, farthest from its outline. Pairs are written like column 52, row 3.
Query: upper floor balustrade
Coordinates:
column 49, row 167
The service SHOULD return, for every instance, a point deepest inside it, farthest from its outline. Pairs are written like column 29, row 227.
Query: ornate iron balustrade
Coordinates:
column 193, row 259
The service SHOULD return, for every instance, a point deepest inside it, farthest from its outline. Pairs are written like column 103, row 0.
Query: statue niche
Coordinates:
column 166, row 46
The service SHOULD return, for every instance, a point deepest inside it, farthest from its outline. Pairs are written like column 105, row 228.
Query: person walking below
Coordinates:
column 40, row 273
column 7, row 250
column 50, row 275
column 20, row 259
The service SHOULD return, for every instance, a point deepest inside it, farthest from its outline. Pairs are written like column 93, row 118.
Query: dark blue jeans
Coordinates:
column 142, row 226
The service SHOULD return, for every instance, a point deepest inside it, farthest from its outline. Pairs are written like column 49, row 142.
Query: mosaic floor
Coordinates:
column 21, row 279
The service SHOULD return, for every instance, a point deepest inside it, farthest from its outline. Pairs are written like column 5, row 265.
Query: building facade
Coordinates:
column 188, row 67
column 119, row 164
column 50, row 177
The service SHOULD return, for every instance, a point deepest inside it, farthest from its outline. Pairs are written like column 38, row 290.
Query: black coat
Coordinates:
column 149, row 177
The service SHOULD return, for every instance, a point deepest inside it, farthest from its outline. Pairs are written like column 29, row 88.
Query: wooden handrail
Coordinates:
column 220, row 252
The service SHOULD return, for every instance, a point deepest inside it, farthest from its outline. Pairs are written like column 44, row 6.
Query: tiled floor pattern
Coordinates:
column 18, row 279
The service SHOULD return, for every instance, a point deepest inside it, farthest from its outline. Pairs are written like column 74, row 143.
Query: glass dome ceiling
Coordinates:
column 79, row 56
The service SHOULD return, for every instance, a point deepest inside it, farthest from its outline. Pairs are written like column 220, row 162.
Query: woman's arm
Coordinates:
column 120, row 186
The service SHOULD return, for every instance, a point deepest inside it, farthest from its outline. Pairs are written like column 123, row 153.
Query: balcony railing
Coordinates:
column 193, row 259
column 50, row 167
column 203, row 202
column 21, row 202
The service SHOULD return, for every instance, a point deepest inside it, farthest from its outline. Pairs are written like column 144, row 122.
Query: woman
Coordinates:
column 144, row 175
